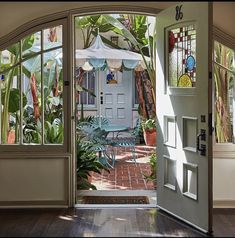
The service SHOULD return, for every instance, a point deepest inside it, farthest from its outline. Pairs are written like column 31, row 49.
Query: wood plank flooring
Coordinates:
column 106, row 222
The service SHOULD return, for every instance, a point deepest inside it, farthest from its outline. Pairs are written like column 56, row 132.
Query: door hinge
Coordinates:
column 66, row 83
column 210, row 124
column 210, row 75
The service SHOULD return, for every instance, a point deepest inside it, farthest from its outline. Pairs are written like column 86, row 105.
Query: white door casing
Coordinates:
column 117, row 98
column 183, row 174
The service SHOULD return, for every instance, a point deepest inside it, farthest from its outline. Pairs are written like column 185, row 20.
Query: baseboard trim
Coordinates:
column 34, row 204
column 224, row 204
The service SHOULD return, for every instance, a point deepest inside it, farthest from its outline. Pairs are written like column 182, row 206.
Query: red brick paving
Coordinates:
column 127, row 175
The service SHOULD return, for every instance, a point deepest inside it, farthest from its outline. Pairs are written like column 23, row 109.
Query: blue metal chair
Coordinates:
column 100, row 121
column 126, row 140
column 97, row 138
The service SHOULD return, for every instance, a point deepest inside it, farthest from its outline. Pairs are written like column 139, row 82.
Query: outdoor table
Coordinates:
column 114, row 128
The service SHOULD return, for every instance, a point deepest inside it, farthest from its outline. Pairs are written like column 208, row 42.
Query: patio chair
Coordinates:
column 100, row 121
column 97, row 137
column 126, row 140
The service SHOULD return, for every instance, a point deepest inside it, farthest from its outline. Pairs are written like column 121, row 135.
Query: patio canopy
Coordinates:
column 98, row 55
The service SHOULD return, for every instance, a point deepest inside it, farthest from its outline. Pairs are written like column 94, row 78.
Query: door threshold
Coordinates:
column 151, row 194
column 85, row 206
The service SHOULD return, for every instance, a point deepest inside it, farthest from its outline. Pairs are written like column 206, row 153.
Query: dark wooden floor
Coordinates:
column 106, row 222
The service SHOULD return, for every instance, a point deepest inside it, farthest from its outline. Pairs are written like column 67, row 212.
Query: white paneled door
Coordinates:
column 116, row 96
column 184, row 113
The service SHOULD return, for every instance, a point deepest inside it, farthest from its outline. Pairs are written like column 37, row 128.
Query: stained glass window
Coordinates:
column 182, row 56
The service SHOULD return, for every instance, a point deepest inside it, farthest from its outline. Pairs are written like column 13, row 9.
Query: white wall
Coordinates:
column 31, row 180
column 14, row 14
column 223, row 182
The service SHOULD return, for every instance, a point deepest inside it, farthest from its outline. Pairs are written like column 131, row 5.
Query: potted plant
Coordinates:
column 149, row 131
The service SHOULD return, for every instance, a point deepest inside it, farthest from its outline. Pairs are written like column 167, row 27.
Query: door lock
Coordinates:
column 201, row 147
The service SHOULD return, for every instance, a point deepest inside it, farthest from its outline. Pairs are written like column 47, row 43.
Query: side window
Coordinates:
column 31, row 89
column 87, row 96
column 224, row 93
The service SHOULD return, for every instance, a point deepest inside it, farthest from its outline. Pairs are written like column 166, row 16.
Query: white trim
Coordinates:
column 223, row 37
column 222, row 150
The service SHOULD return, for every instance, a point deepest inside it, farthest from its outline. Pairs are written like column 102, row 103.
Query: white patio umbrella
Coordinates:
column 98, row 55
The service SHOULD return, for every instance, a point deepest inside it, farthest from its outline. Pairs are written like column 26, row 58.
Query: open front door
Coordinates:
column 183, row 95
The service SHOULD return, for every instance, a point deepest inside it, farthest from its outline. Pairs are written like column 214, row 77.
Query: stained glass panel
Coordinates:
column 182, row 56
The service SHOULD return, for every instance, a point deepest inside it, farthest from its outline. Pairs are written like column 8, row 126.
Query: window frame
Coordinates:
column 221, row 150
column 44, row 148
column 89, row 106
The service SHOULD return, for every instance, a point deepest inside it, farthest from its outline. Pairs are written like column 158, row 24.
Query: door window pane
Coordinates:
column 224, row 94
column 182, row 56
column 52, row 37
column 32, row 111
column 31, row 44
column 9, row 57
column 53, row 97
column 10, row 106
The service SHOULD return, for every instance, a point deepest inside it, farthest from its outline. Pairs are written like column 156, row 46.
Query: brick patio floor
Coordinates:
column 126, row 175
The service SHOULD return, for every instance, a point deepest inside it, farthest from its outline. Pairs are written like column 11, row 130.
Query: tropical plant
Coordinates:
column 148, row 124
column 31, row 69
column 87, row 162
column 223, row 85
column 54, row 132
column 153, row 165
column 134, row 29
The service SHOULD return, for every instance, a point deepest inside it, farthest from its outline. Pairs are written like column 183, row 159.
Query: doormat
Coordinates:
column 115, row 200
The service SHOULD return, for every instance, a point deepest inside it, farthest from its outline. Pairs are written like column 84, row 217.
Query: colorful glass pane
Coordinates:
column 182, row 56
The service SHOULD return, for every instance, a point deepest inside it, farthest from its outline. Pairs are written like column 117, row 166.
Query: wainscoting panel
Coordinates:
column 34, row 180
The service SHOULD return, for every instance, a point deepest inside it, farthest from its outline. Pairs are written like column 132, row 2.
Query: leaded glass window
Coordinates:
column 182, row 56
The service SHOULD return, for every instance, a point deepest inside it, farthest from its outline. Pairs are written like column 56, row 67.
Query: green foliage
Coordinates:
column 87, row 162
column 14, row 103
column 223, row 83
column 54, row 132
column 153, row 164
column 148, row 124
column 11, row 96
